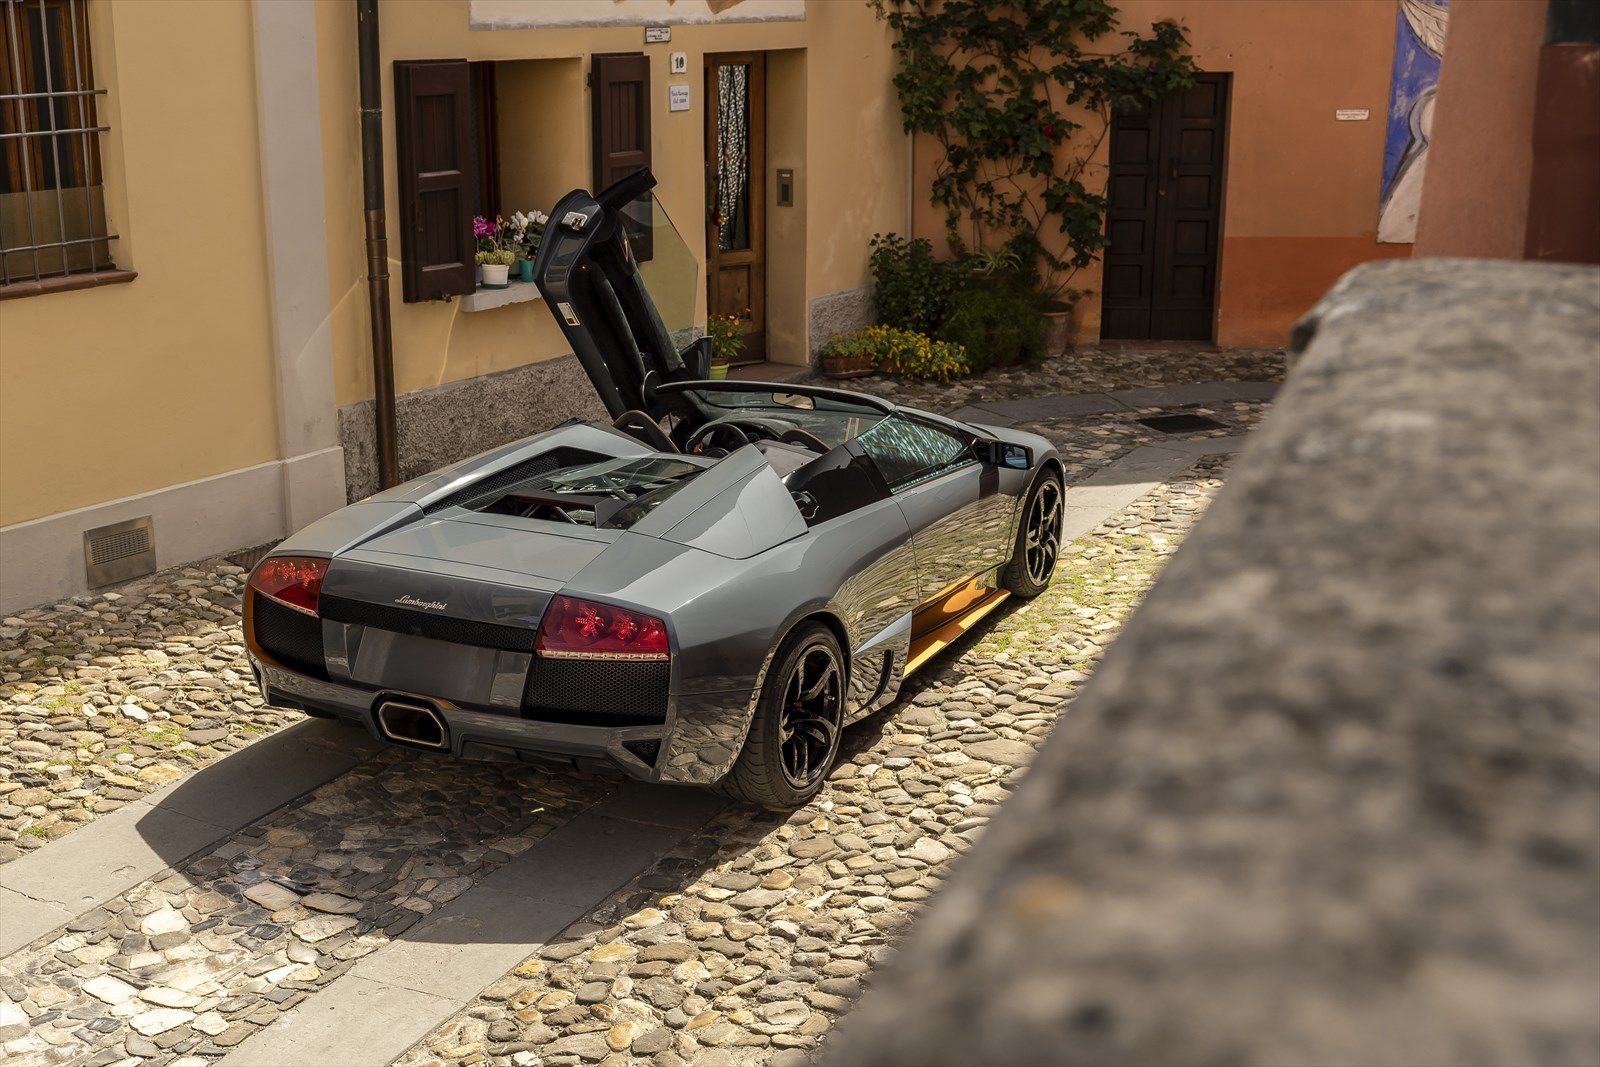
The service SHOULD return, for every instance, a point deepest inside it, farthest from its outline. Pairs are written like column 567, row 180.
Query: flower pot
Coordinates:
column 525, row 268
column 496, row 275
column 1057, row 332
column 854, row 366
column 719, row 371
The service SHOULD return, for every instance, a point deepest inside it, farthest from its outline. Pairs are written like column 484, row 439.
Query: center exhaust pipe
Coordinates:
column 412, row 724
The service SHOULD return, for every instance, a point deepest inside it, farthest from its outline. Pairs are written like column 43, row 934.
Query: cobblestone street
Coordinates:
column 715, row 934
column 743, row 945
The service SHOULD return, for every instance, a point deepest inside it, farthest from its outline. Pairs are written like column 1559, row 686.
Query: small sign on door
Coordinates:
column 677, row 98
column 1352, row 114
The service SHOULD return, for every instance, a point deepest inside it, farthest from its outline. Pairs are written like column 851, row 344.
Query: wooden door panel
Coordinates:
column 1193, row 130
column 1163, row 220
column 736, row 263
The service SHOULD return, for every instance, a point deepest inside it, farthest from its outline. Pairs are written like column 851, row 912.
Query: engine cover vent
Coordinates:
column 560, row 456
column 120, row 551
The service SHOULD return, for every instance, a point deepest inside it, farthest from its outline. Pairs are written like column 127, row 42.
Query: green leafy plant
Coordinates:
column 503, row 257
column 727, row 336
column 1020, row 99
column 998, row 322
column 910, row 289
column 903, row 352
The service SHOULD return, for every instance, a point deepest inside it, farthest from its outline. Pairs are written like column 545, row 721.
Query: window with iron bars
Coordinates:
column 53, row 221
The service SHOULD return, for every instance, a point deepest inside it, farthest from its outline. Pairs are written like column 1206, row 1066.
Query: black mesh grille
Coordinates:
column 293, row 639
column 423, row 624
column 517, row 472
column 647, row 751
column 596, row 692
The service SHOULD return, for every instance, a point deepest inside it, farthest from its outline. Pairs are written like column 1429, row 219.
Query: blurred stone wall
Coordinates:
column 1334, row 795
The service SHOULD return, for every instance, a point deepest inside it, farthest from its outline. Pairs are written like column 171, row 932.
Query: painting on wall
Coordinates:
column 1418, row 47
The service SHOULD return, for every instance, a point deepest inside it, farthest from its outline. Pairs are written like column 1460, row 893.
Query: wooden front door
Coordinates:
column 736, row 164
column 1165, row 215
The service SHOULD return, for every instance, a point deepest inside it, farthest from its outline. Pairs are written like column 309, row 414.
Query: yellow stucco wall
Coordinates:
column 850, row 168
column 122, row 389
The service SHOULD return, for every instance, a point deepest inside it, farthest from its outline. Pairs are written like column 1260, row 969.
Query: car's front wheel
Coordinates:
column 799, row 718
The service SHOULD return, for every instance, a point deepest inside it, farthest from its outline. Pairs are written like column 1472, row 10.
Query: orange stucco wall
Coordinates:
column 1301, row 196
column 1480, row 155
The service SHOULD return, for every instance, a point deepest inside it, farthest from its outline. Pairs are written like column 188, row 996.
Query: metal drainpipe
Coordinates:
column 377, row 243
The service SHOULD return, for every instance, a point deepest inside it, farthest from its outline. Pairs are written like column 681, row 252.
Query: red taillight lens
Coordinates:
column 580, row 629
column 293, row 581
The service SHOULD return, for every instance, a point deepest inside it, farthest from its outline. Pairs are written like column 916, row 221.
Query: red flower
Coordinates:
column 1049, row 131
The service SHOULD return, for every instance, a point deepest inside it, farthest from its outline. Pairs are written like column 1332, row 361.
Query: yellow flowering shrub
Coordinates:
column 905, row 353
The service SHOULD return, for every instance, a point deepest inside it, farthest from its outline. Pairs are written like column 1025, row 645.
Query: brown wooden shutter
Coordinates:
column 620, row 96
column 433, row 131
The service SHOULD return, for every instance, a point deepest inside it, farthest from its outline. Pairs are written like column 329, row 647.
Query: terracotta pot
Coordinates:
column 846, row 366
column 1057, row 332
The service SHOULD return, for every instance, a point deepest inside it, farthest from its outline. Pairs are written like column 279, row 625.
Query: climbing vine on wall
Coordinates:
column 1019, row 96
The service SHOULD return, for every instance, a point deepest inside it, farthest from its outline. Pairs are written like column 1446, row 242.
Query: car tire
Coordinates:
column 1038, row 545
column 794, row 737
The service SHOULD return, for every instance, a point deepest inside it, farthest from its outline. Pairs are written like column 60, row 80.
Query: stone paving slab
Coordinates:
column 1067, row 405
column 353, row 1031
column 136, row 842
column 487, row 930
column 1089, row 368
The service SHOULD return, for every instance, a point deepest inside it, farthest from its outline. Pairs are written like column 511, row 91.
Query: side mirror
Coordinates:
column 697, row 358
column 1002, row 454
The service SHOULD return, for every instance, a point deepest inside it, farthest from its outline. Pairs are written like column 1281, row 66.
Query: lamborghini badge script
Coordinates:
column 426, row 605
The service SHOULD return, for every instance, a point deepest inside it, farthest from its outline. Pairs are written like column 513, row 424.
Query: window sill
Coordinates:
column 66, row 283
column 518, row 292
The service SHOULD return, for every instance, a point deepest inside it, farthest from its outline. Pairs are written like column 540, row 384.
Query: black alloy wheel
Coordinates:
column 813, row 706
column 1041, row 542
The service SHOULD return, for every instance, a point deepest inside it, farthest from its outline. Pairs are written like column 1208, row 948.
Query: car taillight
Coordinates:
column 293, row 581
column 580, row 629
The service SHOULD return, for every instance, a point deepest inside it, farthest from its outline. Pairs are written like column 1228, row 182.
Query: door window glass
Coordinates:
column 906, row 451
column 733, row 156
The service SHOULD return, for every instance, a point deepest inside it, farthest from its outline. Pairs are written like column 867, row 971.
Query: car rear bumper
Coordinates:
column 474, row 734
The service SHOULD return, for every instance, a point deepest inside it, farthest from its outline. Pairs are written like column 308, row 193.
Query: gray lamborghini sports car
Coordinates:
column 706, row 590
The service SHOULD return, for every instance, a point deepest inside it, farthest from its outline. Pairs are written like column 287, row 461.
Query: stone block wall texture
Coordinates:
column 832, row 314
column 1334, row 795
column 451, row 422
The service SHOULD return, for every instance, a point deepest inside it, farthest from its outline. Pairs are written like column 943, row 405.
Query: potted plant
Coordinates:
column 496, row 252
column 496, row 267
column 527, row 230
column 1058, row 322
column 484, row 233
column 727, row 340
column 846, row 356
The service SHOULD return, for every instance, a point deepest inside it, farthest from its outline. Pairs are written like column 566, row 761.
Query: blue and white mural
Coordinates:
column 1418, row 46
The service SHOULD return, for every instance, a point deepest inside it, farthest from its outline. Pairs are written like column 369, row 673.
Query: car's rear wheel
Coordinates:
column 1038, row 545
column 799, row 717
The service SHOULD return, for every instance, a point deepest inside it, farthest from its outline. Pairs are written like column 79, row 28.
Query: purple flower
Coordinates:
column 482, row 227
